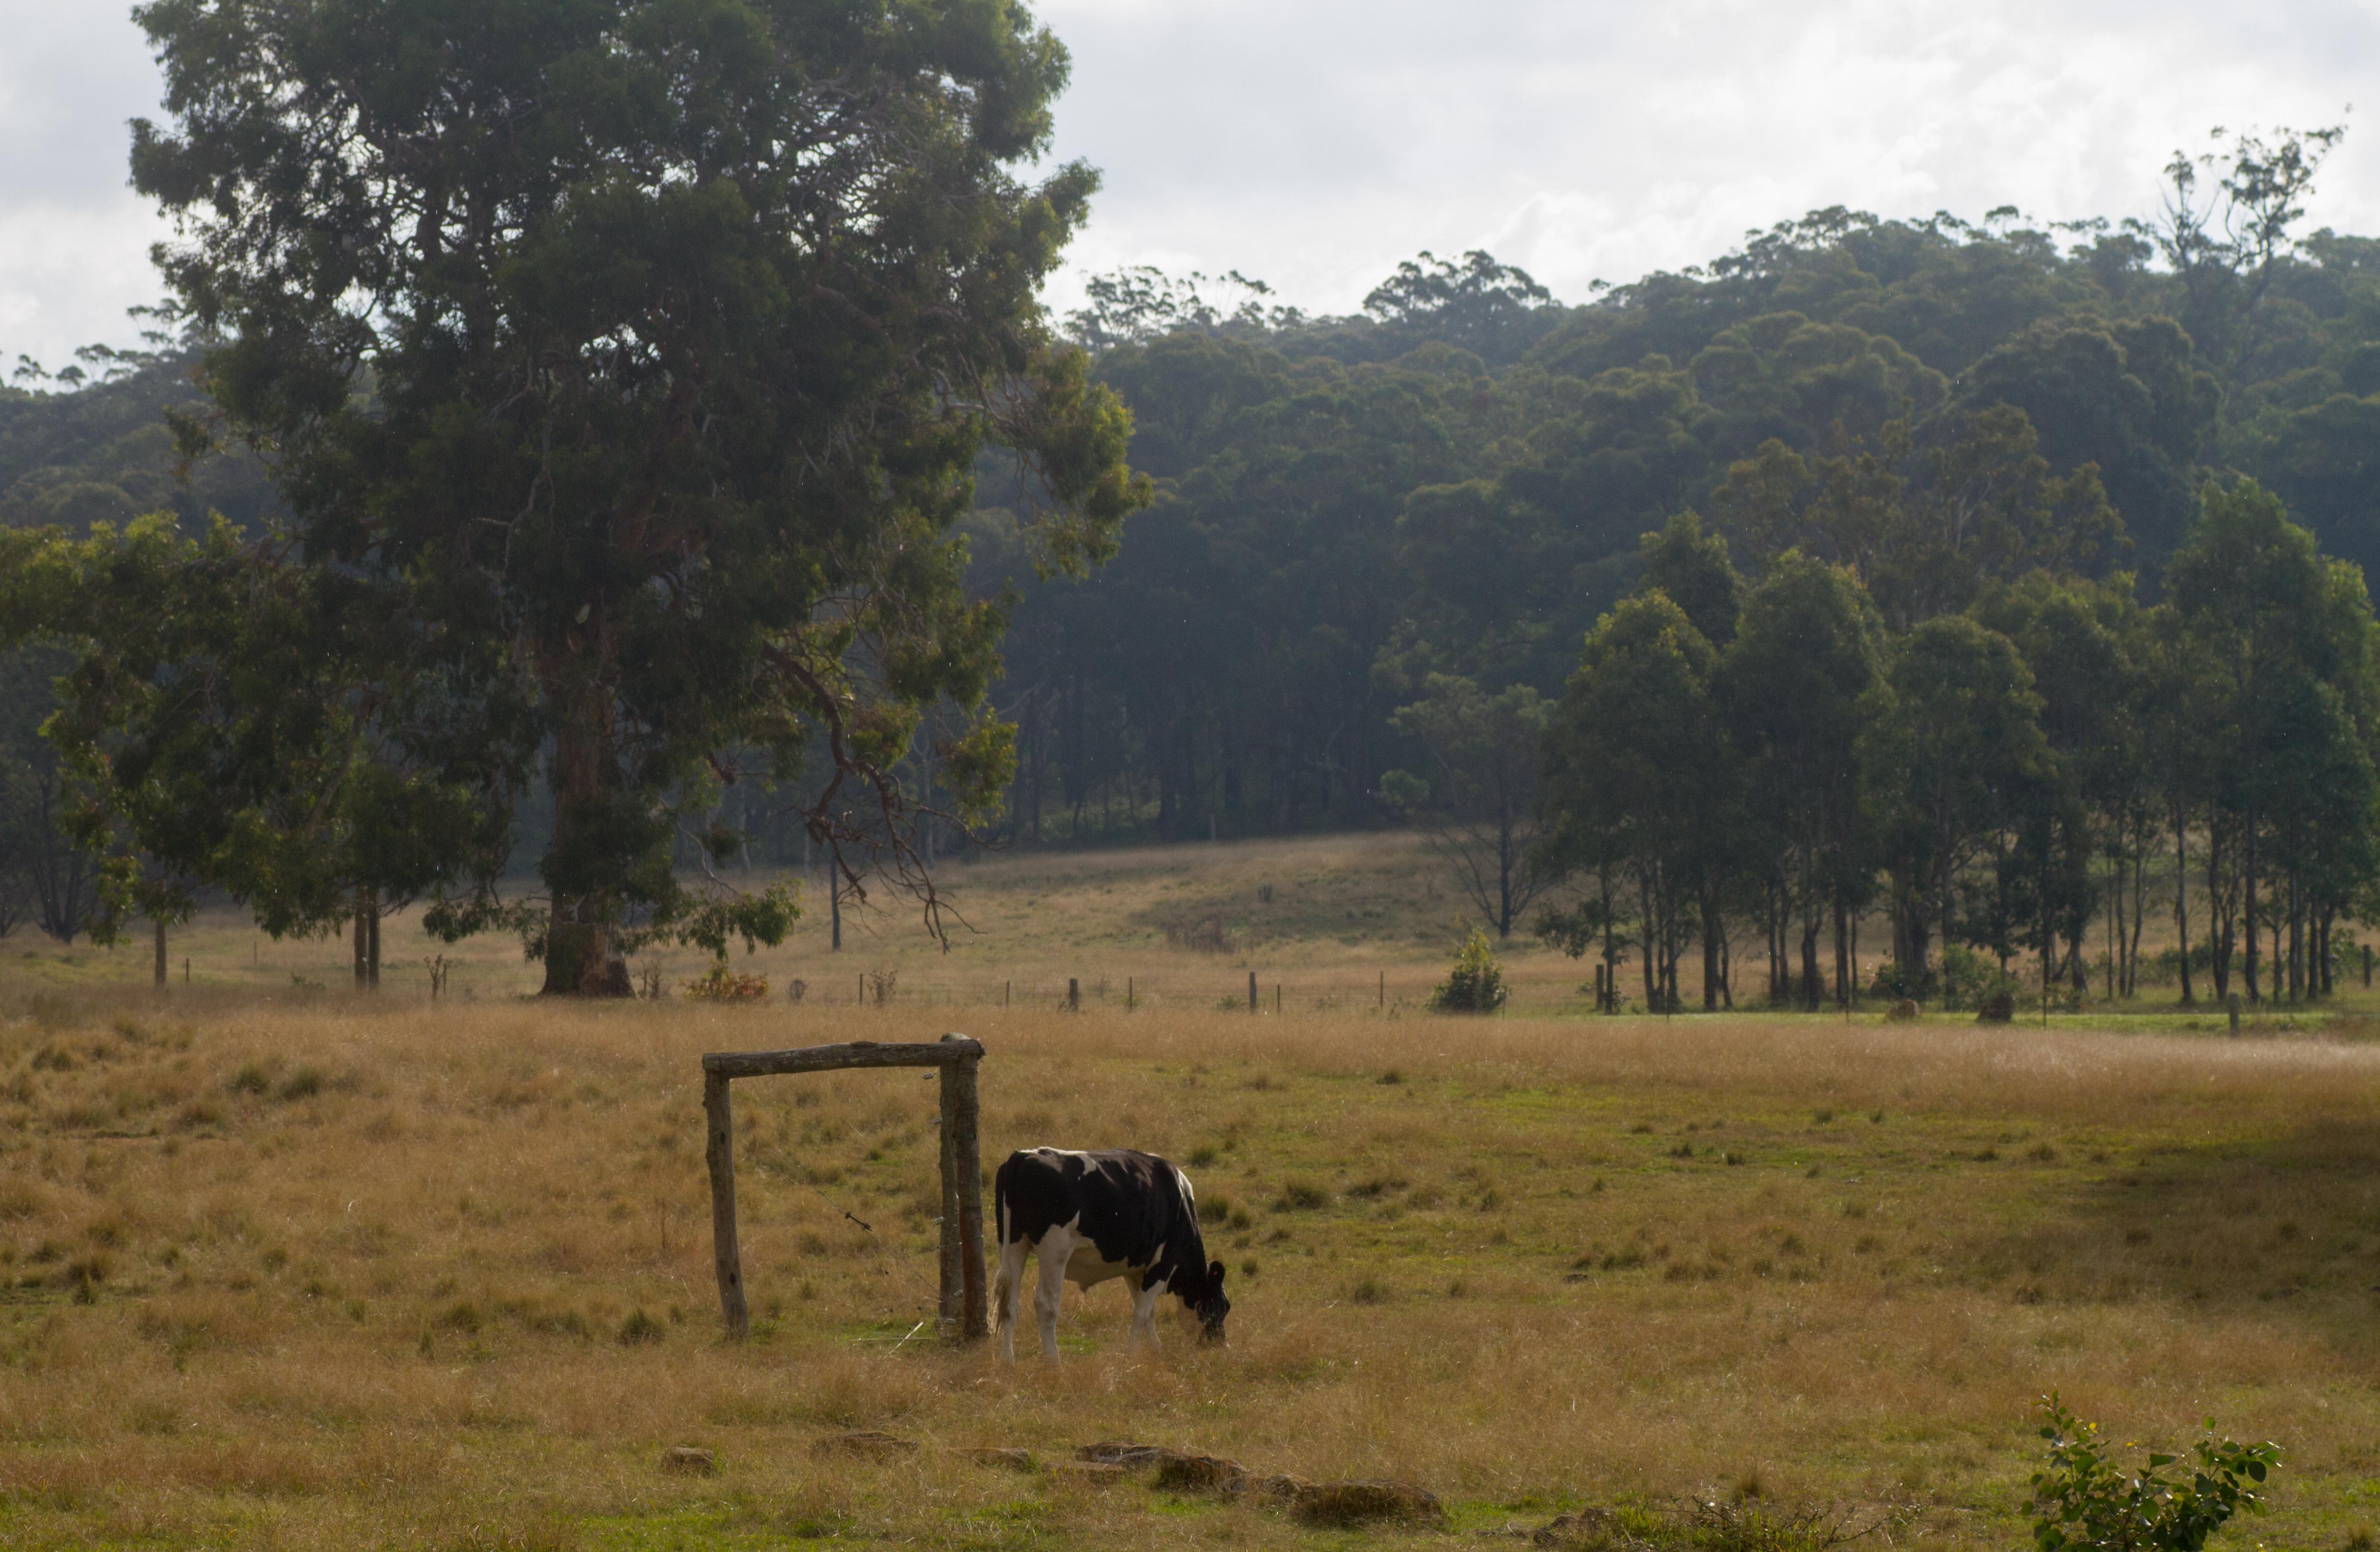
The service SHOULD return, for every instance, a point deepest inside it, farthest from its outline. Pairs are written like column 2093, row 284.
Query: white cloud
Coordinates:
column 1316, row 142
column 74, row 239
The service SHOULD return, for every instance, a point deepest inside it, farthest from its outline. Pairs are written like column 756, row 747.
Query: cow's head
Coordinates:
column 1211, row 1306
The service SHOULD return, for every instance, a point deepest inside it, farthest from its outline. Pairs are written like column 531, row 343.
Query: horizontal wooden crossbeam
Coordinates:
column 946, row 1052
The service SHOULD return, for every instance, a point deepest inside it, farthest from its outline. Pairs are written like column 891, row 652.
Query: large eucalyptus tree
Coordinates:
column 638, row 354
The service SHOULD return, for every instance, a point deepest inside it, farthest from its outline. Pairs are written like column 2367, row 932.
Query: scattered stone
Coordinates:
column 1284, row 1488
column 688, row 1460
column 1085, row 1474
column 1360, row 1503
column 1901, row 1012
column 1998, row 1008
column 1175, row 1467
column 1008, row 1455
column 1587, row 1528
column 1201, row 1473
column 1319, row 1503
column 868, row 1442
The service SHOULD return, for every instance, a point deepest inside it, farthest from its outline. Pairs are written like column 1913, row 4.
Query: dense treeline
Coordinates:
column 1765, row 760
column 1454, row 483
column 1933, row 529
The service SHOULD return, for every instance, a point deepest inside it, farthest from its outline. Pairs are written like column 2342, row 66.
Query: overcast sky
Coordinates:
column 1313, row 143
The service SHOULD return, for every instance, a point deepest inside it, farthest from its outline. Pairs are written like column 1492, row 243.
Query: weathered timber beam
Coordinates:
column 855, row 1052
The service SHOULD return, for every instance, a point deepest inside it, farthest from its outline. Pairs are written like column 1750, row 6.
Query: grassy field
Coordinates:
column 281, row 1266
column 1325, row 923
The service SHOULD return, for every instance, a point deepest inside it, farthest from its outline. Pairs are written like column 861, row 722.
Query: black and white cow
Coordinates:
column 1092, row 1217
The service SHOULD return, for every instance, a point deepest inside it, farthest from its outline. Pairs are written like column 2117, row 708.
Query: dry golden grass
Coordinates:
column 1325, row 922
column 364, row 1272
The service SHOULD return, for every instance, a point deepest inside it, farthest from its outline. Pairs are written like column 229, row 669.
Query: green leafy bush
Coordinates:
column 2084, row 1502
column 1971, row 980
column 1475, row 985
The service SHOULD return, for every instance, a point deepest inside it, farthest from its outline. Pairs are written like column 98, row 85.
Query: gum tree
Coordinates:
column 638, row 353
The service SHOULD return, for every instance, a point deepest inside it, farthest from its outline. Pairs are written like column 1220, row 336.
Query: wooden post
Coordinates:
column 1276, row 998
column 2367, row 967
column 1127, row 994
column 1005, row 987
column 966, row 1144
column 719, row 1111
column 963, row 1294
column 951, row 1305
column 1074, row 995
column 1384, row 991
column 1252, row 991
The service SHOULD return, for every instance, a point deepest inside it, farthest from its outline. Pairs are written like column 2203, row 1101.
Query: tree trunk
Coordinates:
column 1845, row 977
column 1652, row 941
column 361, row 935
column 159, row 923
column 2139, row 911
column 2297, row 940
column 1610, row 948
column 1810, row 981
column 2248, row 914
column 2181, row 897
column 581, row 956
column 1710, row 948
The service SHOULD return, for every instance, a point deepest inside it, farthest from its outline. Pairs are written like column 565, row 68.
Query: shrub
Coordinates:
column 2084, row 1502
column 720, row 983
column 1475, row 985
column 1970, row 981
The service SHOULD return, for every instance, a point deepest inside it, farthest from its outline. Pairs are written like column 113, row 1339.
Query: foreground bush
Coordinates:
column 1475, row 985
column 2082, row 1500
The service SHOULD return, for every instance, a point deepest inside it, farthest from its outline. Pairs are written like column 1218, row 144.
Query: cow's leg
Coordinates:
column 1054, row 1250
column 1144, row 1315
column 1007, row 1294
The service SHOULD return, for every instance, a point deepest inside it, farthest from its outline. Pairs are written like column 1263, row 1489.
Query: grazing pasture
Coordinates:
column 364, row 1272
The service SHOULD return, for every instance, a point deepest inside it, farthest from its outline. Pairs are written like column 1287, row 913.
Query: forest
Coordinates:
column 1960, row 568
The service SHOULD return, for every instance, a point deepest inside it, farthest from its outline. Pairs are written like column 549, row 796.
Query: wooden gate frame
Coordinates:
column 962, row 1297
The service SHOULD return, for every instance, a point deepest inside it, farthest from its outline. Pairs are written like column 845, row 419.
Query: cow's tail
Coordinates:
column 1004, row 1292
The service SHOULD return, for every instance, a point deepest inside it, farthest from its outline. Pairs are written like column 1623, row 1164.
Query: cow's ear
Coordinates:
column 1215, row 1274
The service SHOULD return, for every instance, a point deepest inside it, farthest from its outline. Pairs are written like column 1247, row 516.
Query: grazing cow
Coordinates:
column 1090, row 1217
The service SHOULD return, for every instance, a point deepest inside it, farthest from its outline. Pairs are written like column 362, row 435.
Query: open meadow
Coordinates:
column 288, row 1266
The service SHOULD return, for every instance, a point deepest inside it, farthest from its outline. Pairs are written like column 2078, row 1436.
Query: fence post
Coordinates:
column 968, row 1148
column 952, row 1287
column 719, row 1112
column 1074, row 995
column 1252, row 991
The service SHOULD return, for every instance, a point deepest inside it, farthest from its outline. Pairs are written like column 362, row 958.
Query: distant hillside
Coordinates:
column 105, row 453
